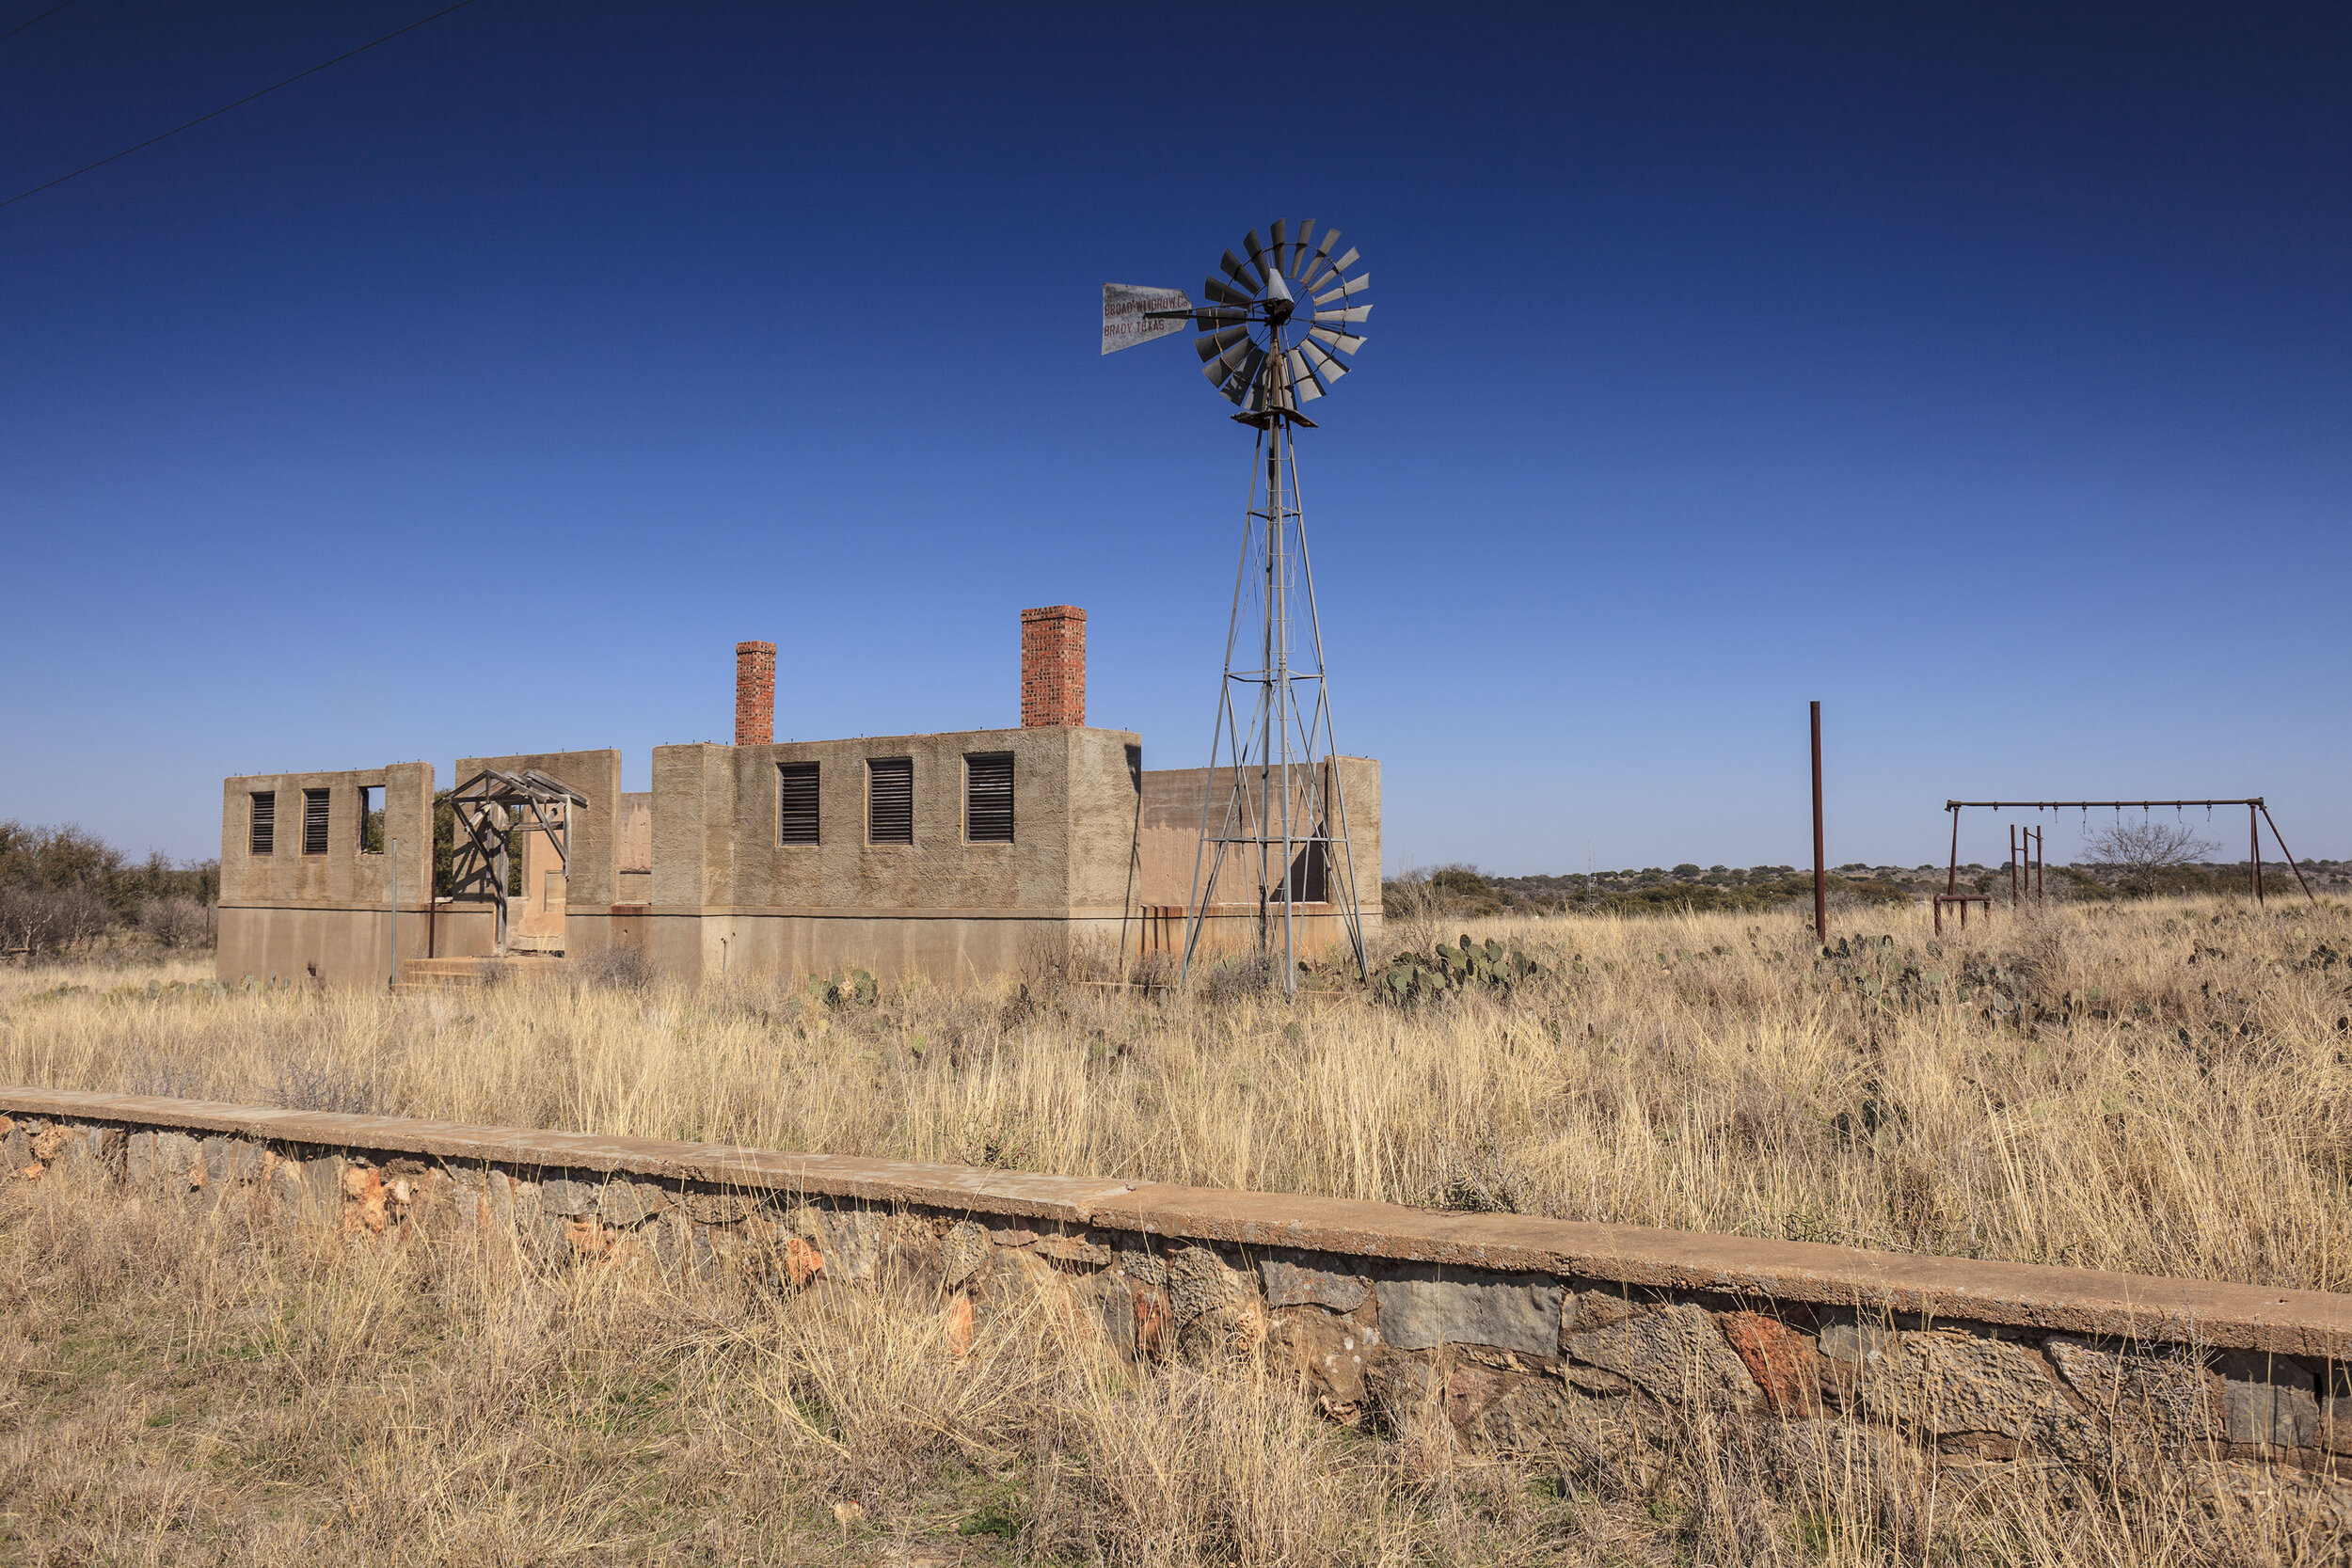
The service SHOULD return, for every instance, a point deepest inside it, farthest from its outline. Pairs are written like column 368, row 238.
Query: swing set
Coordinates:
column 2257, row 815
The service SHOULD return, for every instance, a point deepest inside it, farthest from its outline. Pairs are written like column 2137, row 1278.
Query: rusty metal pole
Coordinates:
column 2283, row 850
column 1821, row 863
column 1951, row 878
column 2012, row 868
column 2254, row 836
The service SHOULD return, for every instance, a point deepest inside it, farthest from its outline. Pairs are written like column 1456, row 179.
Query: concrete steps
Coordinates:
column 423, row 974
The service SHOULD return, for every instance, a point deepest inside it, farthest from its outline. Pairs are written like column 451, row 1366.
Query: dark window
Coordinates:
column 314, row 822
column 1310, row 880
column 988, row 798
column 371, row 820
column 796, row 802
column 265, row 837
column 890, row 800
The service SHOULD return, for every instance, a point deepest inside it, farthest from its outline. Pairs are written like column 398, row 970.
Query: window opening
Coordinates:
column 890, row 800
column 370, row 820
column 796, row 802
column 314, row 822
column 988, row 798
column 264, row 839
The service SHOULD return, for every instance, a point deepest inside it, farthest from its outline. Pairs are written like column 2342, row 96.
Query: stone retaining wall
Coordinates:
column 1523, row 1330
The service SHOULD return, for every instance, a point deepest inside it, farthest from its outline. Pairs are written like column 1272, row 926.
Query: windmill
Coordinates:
column 1270, row 339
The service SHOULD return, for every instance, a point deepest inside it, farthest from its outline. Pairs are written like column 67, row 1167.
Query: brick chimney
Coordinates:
column 754, row 693
column 1053, row 667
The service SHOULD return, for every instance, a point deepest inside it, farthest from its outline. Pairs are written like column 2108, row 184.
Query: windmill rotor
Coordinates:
column 1276, row 321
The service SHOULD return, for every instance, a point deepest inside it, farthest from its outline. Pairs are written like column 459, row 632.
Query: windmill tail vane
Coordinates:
column 1276, row 329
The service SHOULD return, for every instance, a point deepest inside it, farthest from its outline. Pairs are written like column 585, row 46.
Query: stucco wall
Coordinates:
column 727, row 895
column 595, row 826
column 325, row 917
column 1172, row 801
column 1097, row 843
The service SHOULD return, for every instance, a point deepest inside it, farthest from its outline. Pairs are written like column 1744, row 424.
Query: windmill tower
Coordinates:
column 1273, row 817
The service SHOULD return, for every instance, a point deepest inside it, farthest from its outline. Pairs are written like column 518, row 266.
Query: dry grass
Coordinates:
column 179, row 1389
column 2165, row 1095
column 185, row 1390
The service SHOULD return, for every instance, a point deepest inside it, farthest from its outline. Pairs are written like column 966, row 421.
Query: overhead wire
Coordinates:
column 240, row 104
column 43, row 17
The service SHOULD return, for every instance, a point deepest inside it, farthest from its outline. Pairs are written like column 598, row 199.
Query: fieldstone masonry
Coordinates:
column 1522, row 1332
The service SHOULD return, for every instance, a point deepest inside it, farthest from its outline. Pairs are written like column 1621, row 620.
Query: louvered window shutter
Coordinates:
column 795, row 808
column 890, row 800
column 314, row 822
column 988, row 798
column 264, row 837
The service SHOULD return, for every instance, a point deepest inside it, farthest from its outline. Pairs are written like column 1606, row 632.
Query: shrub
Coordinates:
column 178, row 922
column 45, row 921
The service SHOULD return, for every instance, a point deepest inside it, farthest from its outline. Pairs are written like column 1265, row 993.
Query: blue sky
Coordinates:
column 1982, row 371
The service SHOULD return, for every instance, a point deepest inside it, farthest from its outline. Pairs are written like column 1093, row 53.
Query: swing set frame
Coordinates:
column 2257, row 815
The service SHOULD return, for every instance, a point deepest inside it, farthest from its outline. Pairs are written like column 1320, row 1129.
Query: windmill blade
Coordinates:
column 1282, row 248
column 1225, row 294
column 1355, row 314
column 1345, row 288
column 1124, row 324
column 1252, row 244
column 1239, row 271
column 1213, row 345
column 1312, row 267
column 1253, row 392
column 1298, row 246
column 1238, row 382
column 1303, row 384
column 1332, row 271
column 1220, row 360
column 1337, row 338
column 1326, row 366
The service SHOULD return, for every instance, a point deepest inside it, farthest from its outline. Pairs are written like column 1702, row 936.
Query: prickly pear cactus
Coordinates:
column 1412, row 977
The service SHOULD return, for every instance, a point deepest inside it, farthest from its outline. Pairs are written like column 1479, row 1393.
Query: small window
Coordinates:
column 371, row 820
column 796, row 802
column 890, row 800
column 314, row 822
column 988, row 798
column 264, row 839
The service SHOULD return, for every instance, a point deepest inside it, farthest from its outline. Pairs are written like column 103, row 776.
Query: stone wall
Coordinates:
column 1522, row 1331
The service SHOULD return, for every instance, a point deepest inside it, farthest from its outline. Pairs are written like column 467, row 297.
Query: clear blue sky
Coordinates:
column 1985, row 372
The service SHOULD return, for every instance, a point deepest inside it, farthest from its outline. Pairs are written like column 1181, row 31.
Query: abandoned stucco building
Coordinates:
column 953, row 855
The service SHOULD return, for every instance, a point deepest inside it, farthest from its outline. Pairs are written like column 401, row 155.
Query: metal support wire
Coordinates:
column 1296, row 818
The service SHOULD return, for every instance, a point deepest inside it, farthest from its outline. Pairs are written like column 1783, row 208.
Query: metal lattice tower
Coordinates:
column 1273, row 816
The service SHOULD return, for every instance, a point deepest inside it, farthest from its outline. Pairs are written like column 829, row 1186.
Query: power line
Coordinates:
column 226, row 107
column 43, row 17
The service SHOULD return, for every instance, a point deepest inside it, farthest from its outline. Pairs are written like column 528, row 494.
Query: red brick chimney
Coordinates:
column 754, row 693
column 1053, row 667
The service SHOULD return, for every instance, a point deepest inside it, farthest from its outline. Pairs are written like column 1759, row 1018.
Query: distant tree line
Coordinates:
column 64, row 889
column 2131, row 859
column 1464, row 890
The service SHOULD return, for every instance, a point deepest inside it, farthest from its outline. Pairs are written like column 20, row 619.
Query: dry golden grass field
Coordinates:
column 2156, row 1088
